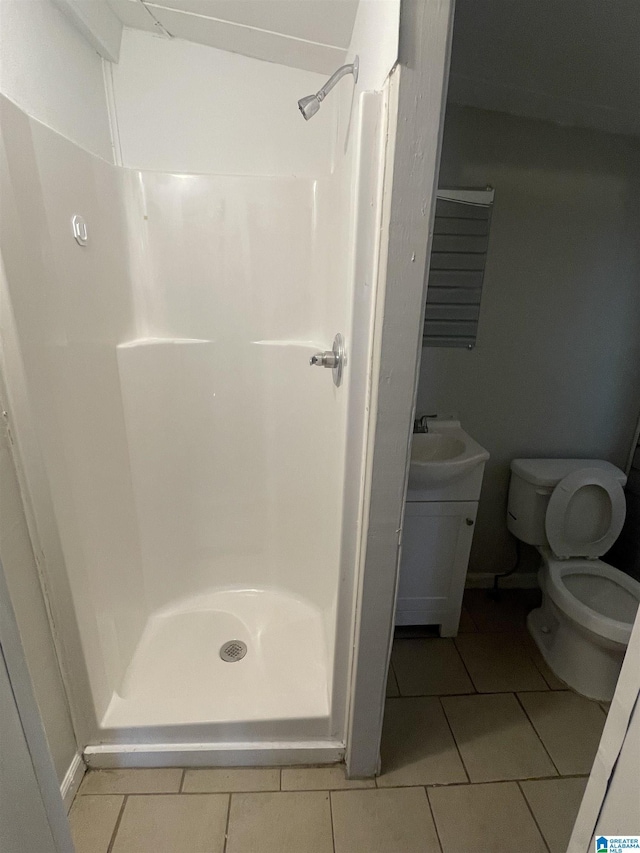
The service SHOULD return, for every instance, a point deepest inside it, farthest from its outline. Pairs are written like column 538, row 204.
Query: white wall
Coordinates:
column 376, row 31
column 184, row 107
column 50, row 71
column 417, row 91
column 235, row 302
column 21, row 572
column 53, row 75
column 71, row 306
column 556, row 369
column 610, row 805
column 620, row 813
column 23, row 820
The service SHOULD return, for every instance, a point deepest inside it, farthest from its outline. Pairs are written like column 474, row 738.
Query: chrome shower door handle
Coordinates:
column 334, row 359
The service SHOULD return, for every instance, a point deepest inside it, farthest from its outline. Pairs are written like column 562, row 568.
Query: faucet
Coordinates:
column 422, row 424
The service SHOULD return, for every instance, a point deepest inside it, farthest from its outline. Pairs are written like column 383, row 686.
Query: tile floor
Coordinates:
column 483, row 749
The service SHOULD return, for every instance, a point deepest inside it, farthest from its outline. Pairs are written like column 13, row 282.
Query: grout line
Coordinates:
column 518, row 700
column 524, row 796
column 226, row 826
column 395, row 680
column 125, row 799
column 466, row 668
column 446, row 695
column 473, row 621
column 325, row 790
column 462, row 661
column 433, row 818
column 531, row 653
column 333, row 833
column 483, row 782
column 195, row 793
column 464, row 766
column 280, row 779
column 181, row 786
column 538, row 667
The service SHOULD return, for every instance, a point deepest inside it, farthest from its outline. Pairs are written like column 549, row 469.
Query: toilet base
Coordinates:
column 587, row 663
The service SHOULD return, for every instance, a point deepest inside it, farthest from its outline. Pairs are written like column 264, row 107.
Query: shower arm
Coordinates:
column 352, row 68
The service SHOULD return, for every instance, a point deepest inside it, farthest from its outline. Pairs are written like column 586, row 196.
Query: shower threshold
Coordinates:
column 177, row 681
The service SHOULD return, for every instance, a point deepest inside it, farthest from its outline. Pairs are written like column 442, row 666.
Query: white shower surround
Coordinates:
column 221, row 287
column 235, row 447
column 89, row 328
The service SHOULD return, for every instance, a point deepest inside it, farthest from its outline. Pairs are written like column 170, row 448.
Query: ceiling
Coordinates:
column 308, row 34
column 575, row 62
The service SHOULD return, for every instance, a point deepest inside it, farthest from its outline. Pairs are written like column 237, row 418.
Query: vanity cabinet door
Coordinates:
column 436, row 541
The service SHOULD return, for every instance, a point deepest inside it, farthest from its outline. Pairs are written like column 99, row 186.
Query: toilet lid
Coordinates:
column 585, row 514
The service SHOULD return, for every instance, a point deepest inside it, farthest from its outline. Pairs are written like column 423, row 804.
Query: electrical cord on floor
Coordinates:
column 494, row 592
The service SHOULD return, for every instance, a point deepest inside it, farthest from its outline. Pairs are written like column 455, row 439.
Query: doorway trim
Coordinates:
column 418, row 88
column 30, row 720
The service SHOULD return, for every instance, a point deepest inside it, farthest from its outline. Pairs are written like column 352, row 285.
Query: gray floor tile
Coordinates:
column 173, row 823
column 499, row 663
column 467, row 625
column 391, row 821
column 213, row 780
column 132, row 781
column 321, row 779
column 392, row 683
column 495, row 738
column 416, row 632
column 417, row 745
column 545, row 670
column 507, row 614
column 482, row 818
column 555, row 804
column 286, row 822
column 570, row 727
column 93, row 820
column 430, row 667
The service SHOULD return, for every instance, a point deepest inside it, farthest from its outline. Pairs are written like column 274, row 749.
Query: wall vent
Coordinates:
column 456, row 270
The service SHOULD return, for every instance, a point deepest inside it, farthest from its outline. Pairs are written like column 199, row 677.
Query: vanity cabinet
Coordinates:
column 436, row 542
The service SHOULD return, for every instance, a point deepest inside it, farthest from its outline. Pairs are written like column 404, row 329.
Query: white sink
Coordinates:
column 444, row 454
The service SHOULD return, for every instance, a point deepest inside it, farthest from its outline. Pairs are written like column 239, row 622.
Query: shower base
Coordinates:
column 177, row 685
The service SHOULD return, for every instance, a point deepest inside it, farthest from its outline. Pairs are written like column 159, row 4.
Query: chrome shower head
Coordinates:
column 310, row 104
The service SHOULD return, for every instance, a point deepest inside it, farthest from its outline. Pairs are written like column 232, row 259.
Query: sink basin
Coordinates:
column 435, row 447
column 443, row 454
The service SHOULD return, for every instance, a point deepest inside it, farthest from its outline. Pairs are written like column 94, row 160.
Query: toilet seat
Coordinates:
column 562, row 543
column 607, row 589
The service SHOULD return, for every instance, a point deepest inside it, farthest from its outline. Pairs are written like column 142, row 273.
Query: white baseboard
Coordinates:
column 72, row 778
column 518, row 580
column 214, row 754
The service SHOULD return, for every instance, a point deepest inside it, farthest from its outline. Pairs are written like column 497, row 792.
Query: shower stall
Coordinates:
column 196, row 483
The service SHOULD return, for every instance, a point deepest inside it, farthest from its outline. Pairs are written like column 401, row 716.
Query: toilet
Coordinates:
column 573, row 510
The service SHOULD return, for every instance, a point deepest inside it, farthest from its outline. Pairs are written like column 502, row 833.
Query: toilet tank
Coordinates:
column 531, row 486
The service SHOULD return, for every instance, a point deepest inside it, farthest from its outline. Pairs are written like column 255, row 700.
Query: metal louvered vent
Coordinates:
column 458, row 257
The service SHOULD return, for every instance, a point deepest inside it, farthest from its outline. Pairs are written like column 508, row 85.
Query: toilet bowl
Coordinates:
column 572, row 511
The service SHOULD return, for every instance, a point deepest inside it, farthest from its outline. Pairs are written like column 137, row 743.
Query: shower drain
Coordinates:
column 233, row 651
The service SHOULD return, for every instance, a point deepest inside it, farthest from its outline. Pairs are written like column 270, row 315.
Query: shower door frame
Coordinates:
column 417, row 102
